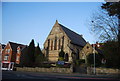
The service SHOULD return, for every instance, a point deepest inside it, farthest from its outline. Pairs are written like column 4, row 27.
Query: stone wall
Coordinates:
column 69, row 70
column 103, row 71
column 52, row 69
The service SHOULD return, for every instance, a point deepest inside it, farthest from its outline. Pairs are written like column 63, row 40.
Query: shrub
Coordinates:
column 80, row 61
column 90, row 60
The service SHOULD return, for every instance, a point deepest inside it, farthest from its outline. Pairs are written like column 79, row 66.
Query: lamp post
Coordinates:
column 94, row 71
column 94, row 58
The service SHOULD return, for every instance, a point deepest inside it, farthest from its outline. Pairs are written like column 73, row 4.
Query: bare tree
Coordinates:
column 104, row 26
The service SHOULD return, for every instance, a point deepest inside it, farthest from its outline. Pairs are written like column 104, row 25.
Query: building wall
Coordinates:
column 85, row 51
column 7, row 52
column 49, row 48
column 88, row 49
column 0, row 53
column 18, row 55
column 54, row 53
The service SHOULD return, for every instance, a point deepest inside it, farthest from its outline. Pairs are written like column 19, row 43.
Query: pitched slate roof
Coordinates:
column 15, row 45
column 74, row 37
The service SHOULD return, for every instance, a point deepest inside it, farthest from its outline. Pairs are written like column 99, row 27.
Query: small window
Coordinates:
column 87, row 47
column 17, row 59
column 18, row 51
column 8, row 50
column 6, row 57
column 0, row 47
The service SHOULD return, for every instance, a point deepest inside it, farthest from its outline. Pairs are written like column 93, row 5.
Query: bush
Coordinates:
column 59, row 65
column 61, row 59
column 90, row 60
column 80, row 61
column 47, row 65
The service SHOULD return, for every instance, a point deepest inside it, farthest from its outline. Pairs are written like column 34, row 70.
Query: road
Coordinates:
column 37, row 76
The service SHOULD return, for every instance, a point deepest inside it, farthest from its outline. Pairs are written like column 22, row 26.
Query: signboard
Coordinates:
column 61, row 62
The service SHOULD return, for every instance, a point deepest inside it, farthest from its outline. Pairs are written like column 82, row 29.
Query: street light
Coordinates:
column 94, row 71
column 94, row 58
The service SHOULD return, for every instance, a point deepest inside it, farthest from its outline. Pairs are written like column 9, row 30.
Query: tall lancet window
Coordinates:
column 48, row 43
column 51, row 44
column 55, row 44
column 59, row 46
column 62, row 42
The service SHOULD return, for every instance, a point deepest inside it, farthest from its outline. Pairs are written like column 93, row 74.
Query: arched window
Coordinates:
column 51, row 44
column 48, row 43
column 55, row 44
column 59, row 46
column 62, row 42
column 77, row 54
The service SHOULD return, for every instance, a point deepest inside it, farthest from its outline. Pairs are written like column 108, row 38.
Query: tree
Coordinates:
column 30, row 52
column 104, row 26
column 24, row 60
column 39, row 57
column 111, row 54
column 38, row 51
column 90, row 60
column 113, row 9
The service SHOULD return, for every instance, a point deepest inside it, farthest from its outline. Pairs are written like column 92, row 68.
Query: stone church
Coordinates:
column 62, row 37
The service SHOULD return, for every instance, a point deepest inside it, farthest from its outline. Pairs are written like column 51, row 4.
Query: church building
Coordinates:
column 60, row 37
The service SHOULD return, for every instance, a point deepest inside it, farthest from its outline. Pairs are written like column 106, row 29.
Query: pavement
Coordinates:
column 17, row 75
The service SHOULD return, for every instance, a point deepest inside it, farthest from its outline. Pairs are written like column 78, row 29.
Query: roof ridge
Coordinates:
column 16, row 43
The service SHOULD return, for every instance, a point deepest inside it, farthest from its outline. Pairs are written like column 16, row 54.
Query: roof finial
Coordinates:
column 56, row 21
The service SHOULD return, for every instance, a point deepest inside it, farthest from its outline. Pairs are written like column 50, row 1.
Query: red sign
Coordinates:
column 5, row 61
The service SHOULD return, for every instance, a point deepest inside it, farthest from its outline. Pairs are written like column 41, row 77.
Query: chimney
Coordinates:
column 81, row 35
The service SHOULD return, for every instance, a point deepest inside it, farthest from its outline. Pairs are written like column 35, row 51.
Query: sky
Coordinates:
column 24, row 21
column 56, row 0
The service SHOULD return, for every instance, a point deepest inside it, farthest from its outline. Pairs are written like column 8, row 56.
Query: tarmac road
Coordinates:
column 37, row 76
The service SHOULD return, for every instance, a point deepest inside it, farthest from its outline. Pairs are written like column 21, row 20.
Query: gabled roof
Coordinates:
column 73, row 36
column 15, row 45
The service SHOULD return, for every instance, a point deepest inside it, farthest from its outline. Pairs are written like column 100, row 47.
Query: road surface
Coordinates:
column 37, row 76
